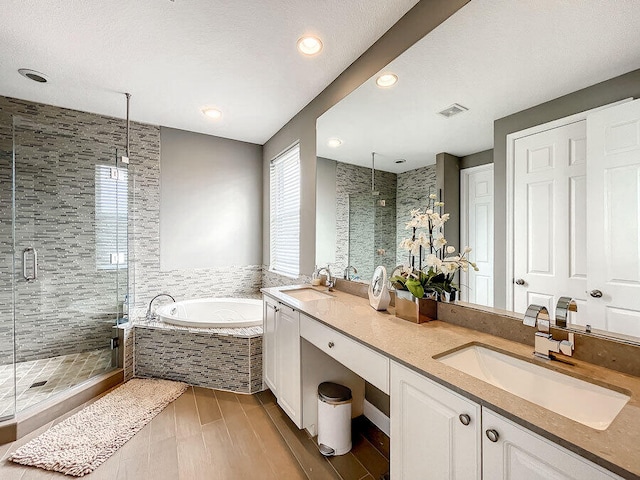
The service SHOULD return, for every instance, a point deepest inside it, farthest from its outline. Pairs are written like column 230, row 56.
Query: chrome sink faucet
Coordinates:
column 330, row 282
column 538, row 316
column 152, row 315
column 347, row 270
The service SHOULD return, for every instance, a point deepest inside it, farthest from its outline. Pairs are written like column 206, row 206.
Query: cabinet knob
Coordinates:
column 331, row 344
column 595, row 293
column 492, row 435
column 465, row 419
column 520, row 281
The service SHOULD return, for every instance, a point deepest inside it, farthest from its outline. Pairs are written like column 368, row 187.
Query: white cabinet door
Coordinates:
column 550, row 230
column 429, row 439
column 518, row 454
column 288, row 383
column 613, row 172
column 270, row 307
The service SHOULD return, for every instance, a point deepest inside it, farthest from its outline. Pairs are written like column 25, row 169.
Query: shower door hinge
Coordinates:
column 115, row 343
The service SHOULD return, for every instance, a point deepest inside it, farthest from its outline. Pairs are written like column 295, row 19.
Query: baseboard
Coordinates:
column 378, row 418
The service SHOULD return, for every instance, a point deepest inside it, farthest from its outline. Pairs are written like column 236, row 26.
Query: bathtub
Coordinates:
column 213, row 313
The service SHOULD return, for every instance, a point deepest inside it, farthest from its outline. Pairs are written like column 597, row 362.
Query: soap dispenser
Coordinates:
column 316, row 279
column 379, row 297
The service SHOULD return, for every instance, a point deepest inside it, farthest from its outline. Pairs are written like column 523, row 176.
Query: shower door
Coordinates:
column 7, row 373
column 66, row 257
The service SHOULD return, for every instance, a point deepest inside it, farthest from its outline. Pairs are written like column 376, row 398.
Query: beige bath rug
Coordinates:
column 79, row 444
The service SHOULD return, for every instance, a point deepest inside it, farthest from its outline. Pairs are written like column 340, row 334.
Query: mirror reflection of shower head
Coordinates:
column 374, row 192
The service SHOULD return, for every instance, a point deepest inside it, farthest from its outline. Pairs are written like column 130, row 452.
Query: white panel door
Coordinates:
column 477, row 232
column 429, row 440
column 518, row 454
column 614, row 218
column 288, row 363
column 269, row 344
column 550, row 218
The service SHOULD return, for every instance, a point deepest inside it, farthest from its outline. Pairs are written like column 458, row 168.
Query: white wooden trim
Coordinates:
column 464, row 219
column 378, row 418
column 511, row 139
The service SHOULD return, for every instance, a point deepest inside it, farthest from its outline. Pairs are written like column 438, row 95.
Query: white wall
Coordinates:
column 210, row 201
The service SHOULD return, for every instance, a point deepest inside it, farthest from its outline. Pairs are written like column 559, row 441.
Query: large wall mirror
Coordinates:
column 521, row 117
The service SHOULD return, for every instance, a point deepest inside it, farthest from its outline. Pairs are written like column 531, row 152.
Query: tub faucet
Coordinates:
column 538, row 316
column 347, row 270
column 152, row 315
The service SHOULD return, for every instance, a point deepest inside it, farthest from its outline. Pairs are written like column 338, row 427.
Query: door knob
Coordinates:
column 520, row 281
column 492, row 435
column 595, row 293
column 465, row 419
column 331, row 344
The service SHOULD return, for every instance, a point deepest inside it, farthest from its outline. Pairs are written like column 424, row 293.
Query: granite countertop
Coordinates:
column 617, row 448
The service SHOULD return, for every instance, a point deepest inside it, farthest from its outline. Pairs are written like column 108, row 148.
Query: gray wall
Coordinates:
column 210, row 201
column 418, row 22
column 325, row 211
column 476, row 159
column 610, row 91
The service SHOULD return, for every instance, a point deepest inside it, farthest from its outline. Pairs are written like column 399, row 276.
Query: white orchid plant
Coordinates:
column 432, row 263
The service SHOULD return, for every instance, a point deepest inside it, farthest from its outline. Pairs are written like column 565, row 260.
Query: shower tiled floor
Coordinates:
column 58, row 373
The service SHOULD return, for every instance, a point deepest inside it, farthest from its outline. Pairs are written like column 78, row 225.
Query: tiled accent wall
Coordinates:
column 271, row 279
column 6, row 267
column 355, row 182
column 414, row 188
column 210, row 360
column 72, row 306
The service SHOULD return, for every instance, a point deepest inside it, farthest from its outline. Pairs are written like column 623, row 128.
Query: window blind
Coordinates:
column 285, row 212
column 111, row 217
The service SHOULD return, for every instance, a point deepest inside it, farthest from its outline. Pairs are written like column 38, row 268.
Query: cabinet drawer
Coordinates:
column 370, row 365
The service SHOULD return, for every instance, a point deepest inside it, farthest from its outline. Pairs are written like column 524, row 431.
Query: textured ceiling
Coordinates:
column 495, row 57
column 175, row 57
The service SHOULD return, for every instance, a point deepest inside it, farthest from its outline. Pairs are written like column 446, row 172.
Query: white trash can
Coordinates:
column 334, row 419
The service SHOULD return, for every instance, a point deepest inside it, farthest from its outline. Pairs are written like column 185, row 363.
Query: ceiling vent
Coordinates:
column 452, row 110
column 33, row 75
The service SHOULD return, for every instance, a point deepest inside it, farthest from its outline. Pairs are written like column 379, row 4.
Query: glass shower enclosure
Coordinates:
column 64, row 229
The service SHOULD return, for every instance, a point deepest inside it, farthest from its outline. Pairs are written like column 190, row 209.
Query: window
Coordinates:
column 285, row 212
column 111, row 217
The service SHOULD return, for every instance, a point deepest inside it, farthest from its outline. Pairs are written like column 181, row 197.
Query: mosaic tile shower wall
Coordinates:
column 354, row 181
column 6, row 266
column 73, row 304
column 414, row 188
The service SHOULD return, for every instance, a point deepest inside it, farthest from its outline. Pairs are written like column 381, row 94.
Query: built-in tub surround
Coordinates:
column 220, row 358
column 213, row 313
column 415, row 346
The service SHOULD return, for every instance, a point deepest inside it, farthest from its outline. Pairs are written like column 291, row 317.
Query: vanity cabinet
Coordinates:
column 510, row 452
column 440, row 435
column 281, row 357
column 435, row 432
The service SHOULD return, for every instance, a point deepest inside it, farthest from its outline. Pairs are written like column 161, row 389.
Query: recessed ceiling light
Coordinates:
column 309, row 45
column 33, row 75
column 386, row 80
column 212, row 113
column 401, row 160
column 334, row 142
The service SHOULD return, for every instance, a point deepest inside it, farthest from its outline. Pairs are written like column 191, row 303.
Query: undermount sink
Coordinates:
column 584, row 402
column 306, row 294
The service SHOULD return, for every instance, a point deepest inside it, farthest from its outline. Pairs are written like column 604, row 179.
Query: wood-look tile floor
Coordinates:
column 207, row 434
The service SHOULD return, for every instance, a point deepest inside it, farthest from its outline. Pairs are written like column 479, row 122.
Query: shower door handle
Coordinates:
column 25, row 255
